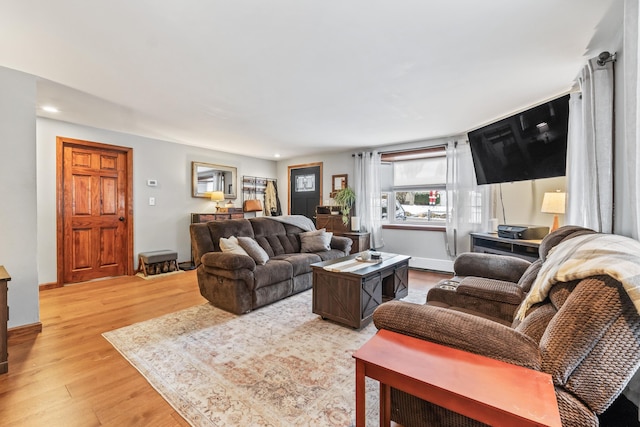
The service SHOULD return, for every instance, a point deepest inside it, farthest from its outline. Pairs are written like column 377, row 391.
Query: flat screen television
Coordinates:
column 528, row 145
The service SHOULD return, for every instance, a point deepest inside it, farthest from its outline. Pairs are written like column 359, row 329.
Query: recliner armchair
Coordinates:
column 585, row 334
column 493, row 286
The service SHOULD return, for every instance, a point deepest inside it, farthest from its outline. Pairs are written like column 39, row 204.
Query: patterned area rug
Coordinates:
column 280, row 365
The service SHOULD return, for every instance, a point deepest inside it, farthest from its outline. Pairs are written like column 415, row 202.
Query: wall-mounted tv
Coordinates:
column 528, row 145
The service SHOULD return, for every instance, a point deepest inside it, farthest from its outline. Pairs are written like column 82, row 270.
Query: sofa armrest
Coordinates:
column 341, row 243
column 228, row 261
column 459, row 330
column 491, row 289
column 499, row 267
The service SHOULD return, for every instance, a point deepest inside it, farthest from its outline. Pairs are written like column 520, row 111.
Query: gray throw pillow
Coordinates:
column 315, row 241
column 254, row 250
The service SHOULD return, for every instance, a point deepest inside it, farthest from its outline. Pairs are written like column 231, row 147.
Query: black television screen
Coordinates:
column 528, row 145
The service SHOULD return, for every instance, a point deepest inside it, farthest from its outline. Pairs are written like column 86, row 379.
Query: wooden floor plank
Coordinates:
column 70, row 375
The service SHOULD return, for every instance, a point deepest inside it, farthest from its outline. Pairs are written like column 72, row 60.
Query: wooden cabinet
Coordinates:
column 360, row 241
column 4, row 317
column 334, row 224
column 492, row 244
column 223, row 213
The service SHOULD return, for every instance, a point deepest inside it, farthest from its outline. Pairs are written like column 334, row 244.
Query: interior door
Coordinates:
column 95, row 211
column 305, row 189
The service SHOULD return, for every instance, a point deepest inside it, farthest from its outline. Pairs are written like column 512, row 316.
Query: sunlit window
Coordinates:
column 415, row 187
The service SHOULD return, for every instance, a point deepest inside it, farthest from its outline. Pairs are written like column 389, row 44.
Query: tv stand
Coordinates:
column 490, row 243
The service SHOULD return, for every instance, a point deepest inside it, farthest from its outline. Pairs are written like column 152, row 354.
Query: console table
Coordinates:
column 4, row 317
column 488, row 390
column 493, row 244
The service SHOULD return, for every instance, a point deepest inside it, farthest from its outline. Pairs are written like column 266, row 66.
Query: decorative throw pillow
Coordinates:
column 315, row 241
column 231, row 245
column 254, row 250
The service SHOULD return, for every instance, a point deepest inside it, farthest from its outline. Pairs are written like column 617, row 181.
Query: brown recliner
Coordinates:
column 493, row 286
column 585, row 334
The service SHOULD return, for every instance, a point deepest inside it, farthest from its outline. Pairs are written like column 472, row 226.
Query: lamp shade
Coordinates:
column 216, row 196
column 553, row 203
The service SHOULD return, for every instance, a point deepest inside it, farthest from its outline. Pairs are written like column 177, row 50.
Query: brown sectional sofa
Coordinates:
column 237, row 283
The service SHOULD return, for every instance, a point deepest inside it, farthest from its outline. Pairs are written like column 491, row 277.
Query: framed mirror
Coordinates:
column 338, row 182
column 207, row 177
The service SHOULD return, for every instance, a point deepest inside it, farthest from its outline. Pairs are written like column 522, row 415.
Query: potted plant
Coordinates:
column 345, row 198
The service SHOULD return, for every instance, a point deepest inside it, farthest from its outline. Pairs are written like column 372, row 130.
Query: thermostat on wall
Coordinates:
column 152, row 182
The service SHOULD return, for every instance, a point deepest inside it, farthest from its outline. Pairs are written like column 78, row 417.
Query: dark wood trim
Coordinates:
column 61, row 142
column 24, row 331
column 306, row 165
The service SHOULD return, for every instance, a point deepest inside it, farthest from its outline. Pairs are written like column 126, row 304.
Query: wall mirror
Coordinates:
column 207, row 177
column 338, row 182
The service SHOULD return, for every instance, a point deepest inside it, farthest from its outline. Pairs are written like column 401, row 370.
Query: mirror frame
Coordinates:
column 232, row 192
column 338, row 182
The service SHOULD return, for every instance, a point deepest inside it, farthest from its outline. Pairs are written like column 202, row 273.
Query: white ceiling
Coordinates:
column 298, row 77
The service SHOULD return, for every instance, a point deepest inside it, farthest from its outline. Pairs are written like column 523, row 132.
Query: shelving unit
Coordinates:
column 492, row 244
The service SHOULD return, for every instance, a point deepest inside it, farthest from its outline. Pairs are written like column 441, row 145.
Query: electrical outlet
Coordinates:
column 152, row 201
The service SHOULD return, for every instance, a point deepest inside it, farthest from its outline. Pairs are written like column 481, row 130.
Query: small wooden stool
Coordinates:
column 155, row 262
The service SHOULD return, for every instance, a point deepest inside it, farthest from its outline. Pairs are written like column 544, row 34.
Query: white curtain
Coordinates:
column 368, row 195
column 469, row 206
column 590, row 150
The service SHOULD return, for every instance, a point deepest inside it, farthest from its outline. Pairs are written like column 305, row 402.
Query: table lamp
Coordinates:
column 217, row 196
column 553, row 203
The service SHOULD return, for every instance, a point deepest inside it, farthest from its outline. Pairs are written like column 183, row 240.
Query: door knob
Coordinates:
column 121, row 218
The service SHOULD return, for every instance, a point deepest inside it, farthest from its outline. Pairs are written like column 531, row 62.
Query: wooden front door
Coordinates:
column 305, row 189
column 95, row 221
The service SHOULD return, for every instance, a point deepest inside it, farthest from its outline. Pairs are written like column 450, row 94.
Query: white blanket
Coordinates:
column 586, row 256
column 299, row 221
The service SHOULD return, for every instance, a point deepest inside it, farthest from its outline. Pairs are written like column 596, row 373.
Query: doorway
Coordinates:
column 94, row 192
column 305, row 189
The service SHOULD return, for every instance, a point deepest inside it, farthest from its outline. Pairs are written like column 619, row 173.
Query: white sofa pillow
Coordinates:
column 231, row 245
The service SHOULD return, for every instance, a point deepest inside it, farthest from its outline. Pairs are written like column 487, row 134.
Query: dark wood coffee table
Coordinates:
column 350, row 297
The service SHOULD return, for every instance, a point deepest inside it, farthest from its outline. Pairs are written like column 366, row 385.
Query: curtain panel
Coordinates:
column 369, row 195
column 469, row 206
column 590, row 150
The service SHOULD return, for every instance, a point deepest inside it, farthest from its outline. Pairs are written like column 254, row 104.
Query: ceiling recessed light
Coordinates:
column 50, row 109
column 276, row 155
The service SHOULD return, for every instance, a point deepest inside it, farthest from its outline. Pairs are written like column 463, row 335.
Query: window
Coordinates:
column 414, row 187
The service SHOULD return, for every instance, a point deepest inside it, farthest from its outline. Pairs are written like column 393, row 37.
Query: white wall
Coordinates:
column 163, row 226
column 18, row 194
column 523, row 201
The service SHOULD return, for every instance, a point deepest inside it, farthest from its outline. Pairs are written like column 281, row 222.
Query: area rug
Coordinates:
column 280, row 365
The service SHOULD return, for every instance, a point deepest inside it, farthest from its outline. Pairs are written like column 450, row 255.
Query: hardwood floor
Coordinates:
column 69, row 375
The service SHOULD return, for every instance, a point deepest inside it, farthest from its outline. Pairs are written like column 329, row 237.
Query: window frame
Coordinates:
column 414, row 223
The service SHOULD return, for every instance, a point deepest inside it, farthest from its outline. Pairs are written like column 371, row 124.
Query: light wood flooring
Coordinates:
column 69, row 375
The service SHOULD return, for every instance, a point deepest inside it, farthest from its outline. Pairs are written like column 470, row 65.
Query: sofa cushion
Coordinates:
column 301, row 262
column 231, row 245
column 315, row 241
column 254, row 250
column 228, row 228
column 272, row 236
column 274, row 271
column 490, row 289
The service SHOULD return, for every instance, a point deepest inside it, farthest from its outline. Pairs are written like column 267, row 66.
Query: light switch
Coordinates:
column 152, row 201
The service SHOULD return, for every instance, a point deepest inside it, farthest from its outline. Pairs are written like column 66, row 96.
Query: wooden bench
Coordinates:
column 157, row 262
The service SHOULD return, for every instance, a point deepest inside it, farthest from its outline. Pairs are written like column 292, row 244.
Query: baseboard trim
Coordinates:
column 46, row 286
column 431, row 264
column 24, row 331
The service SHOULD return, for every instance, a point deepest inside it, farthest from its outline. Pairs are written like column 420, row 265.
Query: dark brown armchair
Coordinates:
column 585, row 334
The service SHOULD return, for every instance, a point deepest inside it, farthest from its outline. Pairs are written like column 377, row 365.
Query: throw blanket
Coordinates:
column 299, row 221
column 586, row 256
